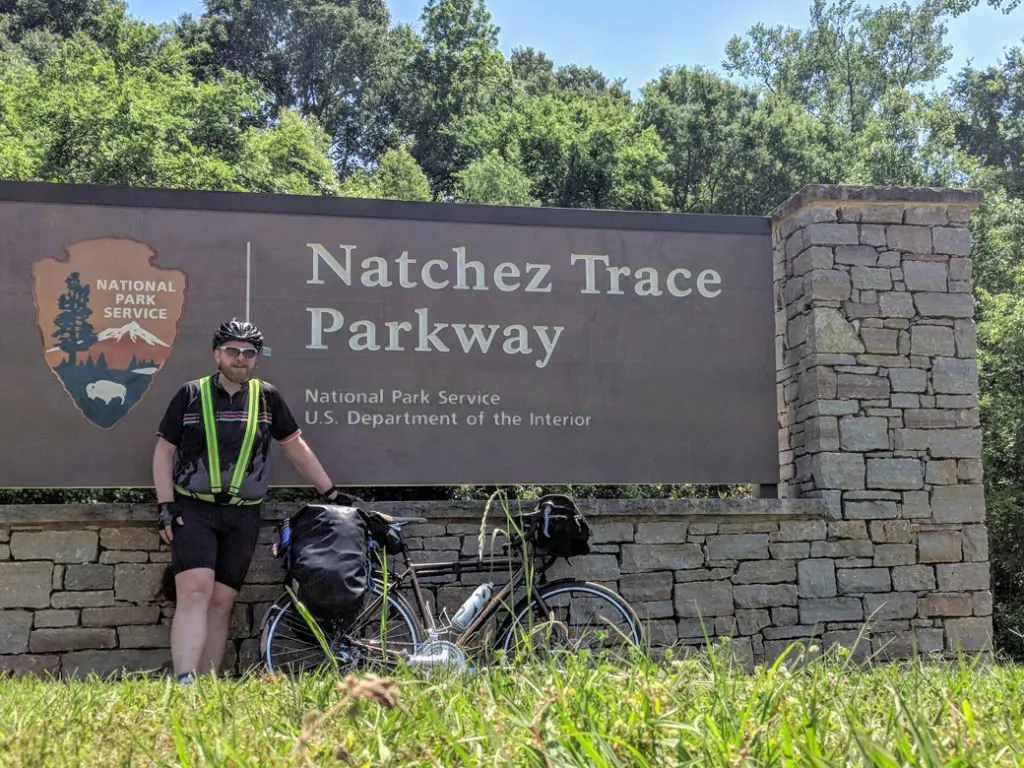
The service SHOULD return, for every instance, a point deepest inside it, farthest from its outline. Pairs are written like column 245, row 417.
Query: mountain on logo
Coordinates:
column 123, row 347
column 134, row 332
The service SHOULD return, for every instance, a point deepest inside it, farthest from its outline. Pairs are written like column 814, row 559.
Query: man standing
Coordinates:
column 211, row 472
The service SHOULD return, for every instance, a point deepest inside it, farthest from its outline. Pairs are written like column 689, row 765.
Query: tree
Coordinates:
column 578, row 149
column 62, row 18
column 493, row 180
column 861, row 72
column 533, row 71
column 733, row 149
column 336, row 60
column 74, row 332
column 959, row 7
column 998, row 270
column 291, row 157
column 457, row 72
column 847, row 60
column 128, row 111
column 989, row 117
column 398, row 177
column 695, row 113
column 908, row 141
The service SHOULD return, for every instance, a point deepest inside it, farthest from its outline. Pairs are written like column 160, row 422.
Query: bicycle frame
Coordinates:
column 517, row 555
column 414, row 572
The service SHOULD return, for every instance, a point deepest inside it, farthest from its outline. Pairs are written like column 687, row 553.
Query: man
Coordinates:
column 216, row 514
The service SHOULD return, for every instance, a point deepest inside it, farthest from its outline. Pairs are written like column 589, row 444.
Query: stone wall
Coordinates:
column 80, row 587
column 879, row 532
column 878, row 399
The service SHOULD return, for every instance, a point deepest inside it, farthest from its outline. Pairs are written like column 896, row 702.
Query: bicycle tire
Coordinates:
column 283, row 614
column 517, row 619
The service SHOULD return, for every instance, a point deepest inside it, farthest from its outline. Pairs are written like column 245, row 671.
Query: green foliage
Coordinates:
column 989, row 121
column 398, row 177
column 128, row 111
column 732, row 149
column 61, row 19
column 998, row 229
column 990, row 117
column 860, row 71
column 847, row 59
column 338, row 62
column 909, row 141
column 958, row 7
column 457, row 71
column 699, row 707
column 580, row 149
column 291, row 157
column 492, row 180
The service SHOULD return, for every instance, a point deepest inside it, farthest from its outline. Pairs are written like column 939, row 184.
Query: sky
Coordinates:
column 659, row 33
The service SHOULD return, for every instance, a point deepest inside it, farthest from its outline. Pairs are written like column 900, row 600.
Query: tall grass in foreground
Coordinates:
column 699, row 711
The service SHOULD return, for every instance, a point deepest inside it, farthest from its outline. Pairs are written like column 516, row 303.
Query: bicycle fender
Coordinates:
column 525, row 601
column 275, row 608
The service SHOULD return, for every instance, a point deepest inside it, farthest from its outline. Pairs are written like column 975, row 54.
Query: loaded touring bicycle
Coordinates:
column 350, row 603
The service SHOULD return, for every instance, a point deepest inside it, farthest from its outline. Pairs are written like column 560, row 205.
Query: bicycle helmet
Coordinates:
column 238, row 330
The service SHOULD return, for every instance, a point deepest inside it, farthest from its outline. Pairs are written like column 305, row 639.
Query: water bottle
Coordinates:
column 472, row 607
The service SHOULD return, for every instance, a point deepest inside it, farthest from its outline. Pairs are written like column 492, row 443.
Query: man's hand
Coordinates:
column 168, row 515
column 334, row 495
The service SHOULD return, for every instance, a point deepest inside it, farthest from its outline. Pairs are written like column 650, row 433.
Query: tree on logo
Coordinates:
column 74, row 331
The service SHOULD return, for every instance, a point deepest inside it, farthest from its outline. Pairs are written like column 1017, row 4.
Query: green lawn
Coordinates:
column 694, row 711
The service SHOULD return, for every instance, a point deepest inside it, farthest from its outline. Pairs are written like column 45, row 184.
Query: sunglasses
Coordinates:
column 247, row 352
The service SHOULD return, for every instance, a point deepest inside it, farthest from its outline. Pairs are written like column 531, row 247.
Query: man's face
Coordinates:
column 236, row 360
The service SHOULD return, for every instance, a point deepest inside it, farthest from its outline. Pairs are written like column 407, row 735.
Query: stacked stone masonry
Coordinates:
column 878, row 401
column 77, row 597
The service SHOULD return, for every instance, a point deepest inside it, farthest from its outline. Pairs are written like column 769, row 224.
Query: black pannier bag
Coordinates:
column 559, row 528
column 327, row 560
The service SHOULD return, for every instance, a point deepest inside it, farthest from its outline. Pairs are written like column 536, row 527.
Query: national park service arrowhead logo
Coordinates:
column 108, row 320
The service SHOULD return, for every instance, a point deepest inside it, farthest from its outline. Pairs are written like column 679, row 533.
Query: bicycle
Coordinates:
column 527, row 610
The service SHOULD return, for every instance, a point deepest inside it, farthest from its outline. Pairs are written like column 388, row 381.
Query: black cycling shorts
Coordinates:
column 219, row 537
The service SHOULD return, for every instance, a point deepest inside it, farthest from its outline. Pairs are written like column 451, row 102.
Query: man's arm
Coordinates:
column 286, row 431
column 168, row 437
column 306, row 462
column 163, row 480
column 163, row 468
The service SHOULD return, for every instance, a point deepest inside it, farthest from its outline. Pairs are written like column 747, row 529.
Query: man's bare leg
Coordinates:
column 218, row 617
column 189, row 627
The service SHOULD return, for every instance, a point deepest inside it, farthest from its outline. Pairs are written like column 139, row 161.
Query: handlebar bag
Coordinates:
column 559, row 527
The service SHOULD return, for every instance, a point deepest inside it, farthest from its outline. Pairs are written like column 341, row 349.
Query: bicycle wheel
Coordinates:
column 580, row 616
column 289, row 645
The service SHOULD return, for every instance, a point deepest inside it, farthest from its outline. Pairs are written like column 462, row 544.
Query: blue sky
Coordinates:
column 657, row 33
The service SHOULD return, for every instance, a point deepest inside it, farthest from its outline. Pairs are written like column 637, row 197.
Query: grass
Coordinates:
column 699, row 711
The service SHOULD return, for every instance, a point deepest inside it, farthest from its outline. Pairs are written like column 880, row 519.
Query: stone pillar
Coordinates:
column 878, row 401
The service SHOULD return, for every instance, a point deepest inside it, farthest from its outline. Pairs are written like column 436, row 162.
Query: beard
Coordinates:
column 235, row 374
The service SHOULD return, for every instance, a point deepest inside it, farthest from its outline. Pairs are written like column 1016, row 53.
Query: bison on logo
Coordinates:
column 108, row 319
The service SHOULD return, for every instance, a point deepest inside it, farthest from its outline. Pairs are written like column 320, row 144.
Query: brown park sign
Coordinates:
column 415, row 343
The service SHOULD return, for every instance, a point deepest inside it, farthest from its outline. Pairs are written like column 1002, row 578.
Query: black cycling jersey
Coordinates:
column 182, row 425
